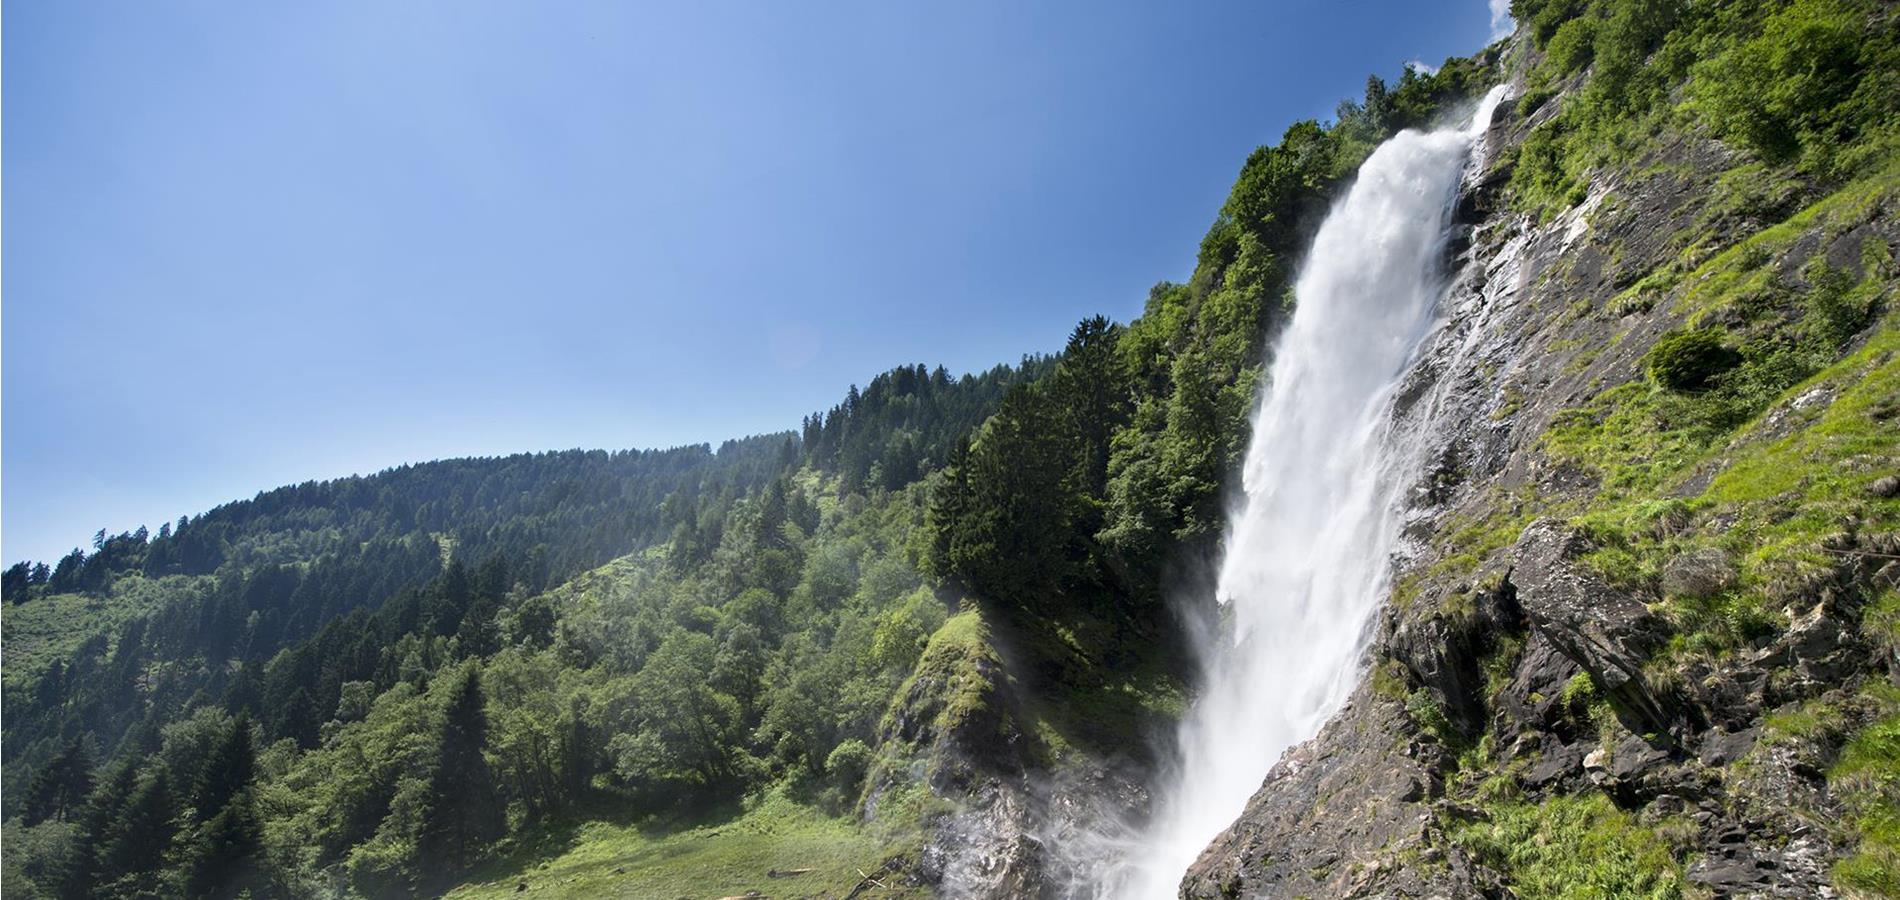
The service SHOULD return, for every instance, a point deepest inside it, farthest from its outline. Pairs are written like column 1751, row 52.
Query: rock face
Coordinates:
column 1533, row 662
column 954, row 750
column 952, row 736
column 1600, row 630
column 1340, row 816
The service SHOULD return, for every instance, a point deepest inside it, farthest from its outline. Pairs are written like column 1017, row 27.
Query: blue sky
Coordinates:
column 251, row 244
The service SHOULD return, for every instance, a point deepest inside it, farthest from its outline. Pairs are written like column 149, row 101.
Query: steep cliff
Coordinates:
column 1642, row 641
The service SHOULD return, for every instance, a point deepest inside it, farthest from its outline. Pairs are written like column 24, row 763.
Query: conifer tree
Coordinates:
column 78, row 873
column 61, row 787
column 222, row 858
column 226, row 771
column 138, row 841
column 463, row 812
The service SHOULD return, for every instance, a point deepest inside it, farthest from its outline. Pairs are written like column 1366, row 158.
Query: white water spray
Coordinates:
column 1308, row 552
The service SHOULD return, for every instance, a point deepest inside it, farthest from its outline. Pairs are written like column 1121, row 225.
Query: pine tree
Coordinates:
column 61, row 787
column 14, row 583
column 450, row 599
column 770, row 528
column 78, row 873
column 298, row 720
column 137, row 843
column 491, row 580
column 1090, row 388
column 479, row 635
column 49, row 695
column 463, row 812
column 226, row 771
column 222, row 858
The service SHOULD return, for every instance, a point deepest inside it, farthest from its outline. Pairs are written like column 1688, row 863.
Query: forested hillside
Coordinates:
column 267, row 628
column 910, row 645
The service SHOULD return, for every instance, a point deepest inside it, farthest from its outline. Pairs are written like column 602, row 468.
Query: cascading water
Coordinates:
column 1308, row 552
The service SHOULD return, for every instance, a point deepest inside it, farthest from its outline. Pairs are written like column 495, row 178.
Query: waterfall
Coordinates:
column 1308, row 553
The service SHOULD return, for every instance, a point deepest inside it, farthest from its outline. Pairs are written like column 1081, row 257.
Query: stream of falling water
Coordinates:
column 1308, row 550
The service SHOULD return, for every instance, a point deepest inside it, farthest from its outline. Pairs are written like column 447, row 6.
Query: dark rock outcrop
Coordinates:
column 1603, row 631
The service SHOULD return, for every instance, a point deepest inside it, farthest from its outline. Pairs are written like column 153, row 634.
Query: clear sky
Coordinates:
column 248, row 244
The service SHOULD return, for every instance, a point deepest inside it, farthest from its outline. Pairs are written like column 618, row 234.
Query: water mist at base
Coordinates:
column 1308, row 551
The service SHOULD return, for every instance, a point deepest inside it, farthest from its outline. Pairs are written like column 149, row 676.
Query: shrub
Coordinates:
column 1534, row 99
column 1542, row 180
column 1834, row 312
column 1573, row 46
column 1690, row 360
column 847, row 763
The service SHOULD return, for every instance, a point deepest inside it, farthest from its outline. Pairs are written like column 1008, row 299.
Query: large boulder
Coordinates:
column 1604, row 631
column 1698, row 573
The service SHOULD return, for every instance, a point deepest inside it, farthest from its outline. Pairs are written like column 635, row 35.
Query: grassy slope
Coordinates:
column 720, row 859
column 51, row 627
column 1774, row 498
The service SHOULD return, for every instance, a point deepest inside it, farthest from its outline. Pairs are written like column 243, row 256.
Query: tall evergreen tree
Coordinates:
column 222, row 859
column 1091, row 389
column 138, row 842
column 61, row 787
column 226, row 771
column 463, row 812
column 79, row 870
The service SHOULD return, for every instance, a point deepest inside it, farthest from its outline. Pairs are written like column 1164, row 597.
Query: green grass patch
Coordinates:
column 1792, row 491
column 714, row 860
column 1573, row 848
column 1740, row 271
column 1867, row 781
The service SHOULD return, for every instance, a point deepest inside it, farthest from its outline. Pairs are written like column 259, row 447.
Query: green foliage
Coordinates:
column 1803, row 81
column 462, row 813
column 131, row 856
column 847, row 765
column 53, row 626
column 1003, row 515
column 1544, row 17
column 61, row 786
column 1690, row 360
column 1867, row 779
column 683, row 727
column 1428, row 714
column 906, row 422
column 1543, row 178
column 1574, row 847
column 1816, row 77
column 1573, row 45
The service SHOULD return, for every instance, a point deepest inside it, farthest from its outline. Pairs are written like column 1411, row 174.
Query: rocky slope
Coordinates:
column 1610, row 630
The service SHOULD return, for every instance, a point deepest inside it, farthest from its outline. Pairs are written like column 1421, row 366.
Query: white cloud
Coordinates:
column 1421, row 67
column 1501, row 24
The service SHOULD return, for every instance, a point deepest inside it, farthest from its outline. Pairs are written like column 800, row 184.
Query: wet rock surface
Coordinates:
column 1340, row 816
column 1530, row 658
